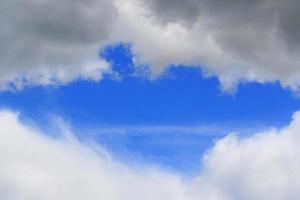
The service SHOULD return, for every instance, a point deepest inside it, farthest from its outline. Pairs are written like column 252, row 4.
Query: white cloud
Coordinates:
column 263, row 166
column 35, row 166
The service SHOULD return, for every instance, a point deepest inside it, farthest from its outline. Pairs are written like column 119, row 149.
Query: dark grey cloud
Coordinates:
column 256, row 15
column 232, row 11
column 45, row 42
column 289, row 23
column 170, row 11
column 77, row 21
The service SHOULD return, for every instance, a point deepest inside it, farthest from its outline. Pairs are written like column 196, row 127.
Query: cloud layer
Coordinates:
column 50, row 42
column 35, row 166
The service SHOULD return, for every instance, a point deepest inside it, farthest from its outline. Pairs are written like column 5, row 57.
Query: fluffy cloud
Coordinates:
column 263, row 166
column 50, row 42
column 236, row 41
column 35, row 166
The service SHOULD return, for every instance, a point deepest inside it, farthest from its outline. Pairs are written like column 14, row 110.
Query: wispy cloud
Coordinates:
column 210, row 130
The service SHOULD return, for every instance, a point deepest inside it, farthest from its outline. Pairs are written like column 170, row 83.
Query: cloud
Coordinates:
column 34, row 166
column 204, row 130
column 237, row 41
column 263, row 166
column 37, row 166
column 52, row 42
column 55, row 42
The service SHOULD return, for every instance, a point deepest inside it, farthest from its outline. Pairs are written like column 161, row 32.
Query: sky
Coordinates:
column 159, row 99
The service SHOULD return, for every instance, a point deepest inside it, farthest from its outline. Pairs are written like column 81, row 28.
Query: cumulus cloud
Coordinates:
column 34, row 166
column 37, row 166
column 47, row 42
column 263, row 166
column 236, row 41
column 52, row 42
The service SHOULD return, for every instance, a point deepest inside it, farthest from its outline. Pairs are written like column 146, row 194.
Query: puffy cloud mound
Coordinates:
column 236, row 41
column 51, row 42
column 263, row 166
column 36, row 166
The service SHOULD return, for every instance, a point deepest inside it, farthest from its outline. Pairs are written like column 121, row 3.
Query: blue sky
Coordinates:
column 149, row 99
column 170, row 121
